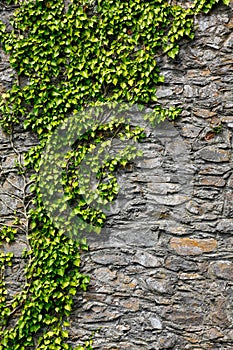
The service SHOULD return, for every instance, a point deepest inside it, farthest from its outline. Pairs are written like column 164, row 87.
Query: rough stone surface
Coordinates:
column 188, row 246
column 161, row 272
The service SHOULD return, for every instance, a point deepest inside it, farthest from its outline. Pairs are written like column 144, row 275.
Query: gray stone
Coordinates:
column 155, row 323
column 145, row 259
column 176, row 263
column 214, row 154
column 225, row 226
column 222, row 269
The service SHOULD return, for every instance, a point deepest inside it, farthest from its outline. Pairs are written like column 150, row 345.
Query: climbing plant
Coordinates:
column 68, row 56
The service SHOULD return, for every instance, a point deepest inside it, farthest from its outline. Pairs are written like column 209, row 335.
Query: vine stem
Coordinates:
column 24, row 199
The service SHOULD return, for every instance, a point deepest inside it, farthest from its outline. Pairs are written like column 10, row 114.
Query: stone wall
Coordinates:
column 162, row 272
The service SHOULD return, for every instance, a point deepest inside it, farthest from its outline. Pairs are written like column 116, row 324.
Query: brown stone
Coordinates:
column 210, row 135
column 212, row 181
column 204, row 113
column 185, row 317
column 131, row 304
column 2, row 89
column 215, row 121
column 219, row 315
column 190, row 276
column 193, row 340
column 205, row 72
column 188, row 246
column 230, row 183
column 167, row 342
column 213, row 333
column 230, row 23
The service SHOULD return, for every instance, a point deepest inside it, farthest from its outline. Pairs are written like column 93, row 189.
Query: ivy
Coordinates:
column 93, row 53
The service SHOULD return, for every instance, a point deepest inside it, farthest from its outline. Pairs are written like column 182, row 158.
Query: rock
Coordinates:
column 230, row 182
column 145, row 259
column 164, row 92
column 225, row 226
column 176, row 263
column 167, row 342
column 212, row 181
column 228, row 204
column 214, row 154
column 190, row 131
column 110, row 258
column 185, row 317
column 213, row 333
column 160, row 286
column 17, row 248
column 221, row 269
column 203, row 113
column 155, row 323
column 218, row 315
column 188, row 246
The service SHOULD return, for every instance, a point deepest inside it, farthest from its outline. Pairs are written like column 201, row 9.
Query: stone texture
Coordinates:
column 213, row 154
column 161, row 271
column 222, row 269
column 188, row 246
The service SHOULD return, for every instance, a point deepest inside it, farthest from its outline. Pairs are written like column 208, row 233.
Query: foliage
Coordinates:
column 91, row 53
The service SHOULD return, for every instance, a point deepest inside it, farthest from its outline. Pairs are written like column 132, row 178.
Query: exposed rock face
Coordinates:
column 162, row 271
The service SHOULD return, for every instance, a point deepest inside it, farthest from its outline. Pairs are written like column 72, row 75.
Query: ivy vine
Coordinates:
column 67, row 58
